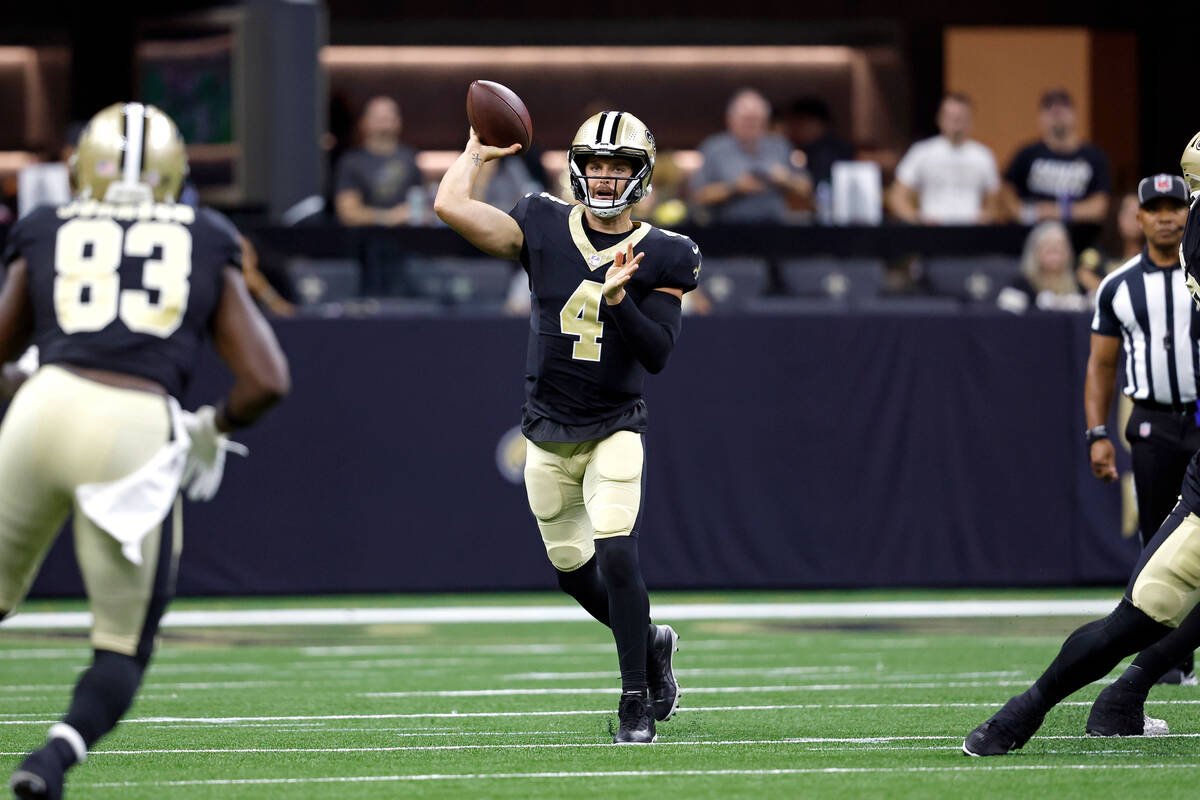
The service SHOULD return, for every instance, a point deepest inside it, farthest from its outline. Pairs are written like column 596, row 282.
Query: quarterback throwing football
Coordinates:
column 602, row 317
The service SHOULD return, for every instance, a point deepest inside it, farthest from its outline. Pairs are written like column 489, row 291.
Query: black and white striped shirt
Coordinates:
column 1150, row 308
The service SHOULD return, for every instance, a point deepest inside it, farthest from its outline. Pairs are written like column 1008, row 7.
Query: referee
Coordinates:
column 1145, row 305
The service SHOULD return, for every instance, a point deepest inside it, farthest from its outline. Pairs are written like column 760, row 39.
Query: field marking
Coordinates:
column 868, row 740
column 700, row 773
column 900, row 609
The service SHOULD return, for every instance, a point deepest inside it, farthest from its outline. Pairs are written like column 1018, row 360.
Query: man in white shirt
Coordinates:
column 947, row 179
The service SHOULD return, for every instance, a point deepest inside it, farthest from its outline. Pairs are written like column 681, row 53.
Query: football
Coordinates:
column 498, row 115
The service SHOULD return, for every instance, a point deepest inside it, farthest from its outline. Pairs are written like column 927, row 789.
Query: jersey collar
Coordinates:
column 1150, row 266
column 597, row 258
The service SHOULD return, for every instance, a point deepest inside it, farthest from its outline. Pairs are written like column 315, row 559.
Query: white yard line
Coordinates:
column 900, row 609
column 799, row 740
column 634, row 774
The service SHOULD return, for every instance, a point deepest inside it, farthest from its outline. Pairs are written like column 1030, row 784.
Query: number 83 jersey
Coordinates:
column 582, row 382
column 129, row 288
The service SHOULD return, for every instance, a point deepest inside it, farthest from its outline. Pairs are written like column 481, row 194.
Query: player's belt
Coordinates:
column 1169, row 408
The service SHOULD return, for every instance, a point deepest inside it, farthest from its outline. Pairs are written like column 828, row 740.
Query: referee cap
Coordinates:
column 1157, row 186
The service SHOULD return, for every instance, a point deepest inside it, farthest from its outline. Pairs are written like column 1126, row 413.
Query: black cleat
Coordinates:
column 660, row 672
column 1008, row 729
column 637, row 722
column 40, row 777
column 1120, row 711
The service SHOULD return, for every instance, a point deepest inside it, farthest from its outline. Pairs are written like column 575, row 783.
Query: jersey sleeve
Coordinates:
column 524, row 208
column 682, row 267
column 221, row 239
column 1104, row 321
column 22, row 233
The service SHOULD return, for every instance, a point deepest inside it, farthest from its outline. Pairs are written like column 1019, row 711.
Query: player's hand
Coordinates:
column 482, row 153
column 624, row 265
column 206, row 458
column 1104, row 460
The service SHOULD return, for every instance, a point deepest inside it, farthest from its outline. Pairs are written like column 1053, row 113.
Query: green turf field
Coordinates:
column 771, row 709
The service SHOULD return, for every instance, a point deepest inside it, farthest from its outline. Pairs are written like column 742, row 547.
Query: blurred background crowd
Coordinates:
column 900, row 162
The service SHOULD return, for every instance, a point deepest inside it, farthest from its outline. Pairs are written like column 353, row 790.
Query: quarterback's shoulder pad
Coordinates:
column 214, row 233
column 538, row 205
column 680, row 267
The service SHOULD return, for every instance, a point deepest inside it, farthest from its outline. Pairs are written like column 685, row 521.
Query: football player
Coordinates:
column 601, row 318
column 118, row 289
column 1156, row 612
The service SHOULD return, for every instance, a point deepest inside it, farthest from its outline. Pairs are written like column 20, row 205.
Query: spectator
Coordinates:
column 809, row 126
column 1124, row 240
column 504, row 181
column 747, row 172
column 1059, row 177
column 1047, row 282
column 373, row 184
column 947, row 179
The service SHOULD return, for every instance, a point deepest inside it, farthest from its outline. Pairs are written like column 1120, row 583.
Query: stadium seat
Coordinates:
column 852, row 279
column 732, row 282
column 316, row 280
column 977, row 279
column 796, row 305
column 477, row 284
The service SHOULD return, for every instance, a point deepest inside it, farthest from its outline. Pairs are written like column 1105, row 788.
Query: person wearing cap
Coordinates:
column 1145, row 304
column 1059, row 177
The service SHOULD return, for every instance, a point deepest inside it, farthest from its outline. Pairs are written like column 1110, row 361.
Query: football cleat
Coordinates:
column 1008, row 729
column 1118, row 711
column 660, row 672
column 637, row 722
column 40, row 777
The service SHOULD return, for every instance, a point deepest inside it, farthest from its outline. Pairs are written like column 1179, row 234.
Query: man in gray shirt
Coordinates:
column 372, row 182
column 747, row 175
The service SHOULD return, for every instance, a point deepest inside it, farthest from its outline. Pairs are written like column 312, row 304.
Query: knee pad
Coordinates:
column 617, row 493
column 1168, row 586
column 568, row 556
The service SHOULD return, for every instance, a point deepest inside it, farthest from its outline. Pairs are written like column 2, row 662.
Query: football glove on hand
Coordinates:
column 206, row 458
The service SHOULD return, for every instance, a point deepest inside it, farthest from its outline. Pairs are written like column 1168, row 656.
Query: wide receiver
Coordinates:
column 118, row 289
column 1158, row 612
column 602, row 317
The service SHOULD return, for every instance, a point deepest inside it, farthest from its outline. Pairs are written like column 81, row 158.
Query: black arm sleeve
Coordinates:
column 650, row 329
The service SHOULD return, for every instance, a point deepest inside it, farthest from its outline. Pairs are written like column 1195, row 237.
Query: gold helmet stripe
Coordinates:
column 135, row 130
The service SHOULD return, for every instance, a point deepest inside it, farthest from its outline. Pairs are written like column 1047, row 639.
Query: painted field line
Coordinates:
column 698, row 773
column 903, row 609
column 868, row 740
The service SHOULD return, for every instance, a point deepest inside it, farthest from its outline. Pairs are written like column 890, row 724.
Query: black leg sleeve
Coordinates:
column 1091, row 651
column 628, row 607
column 587, row 587
column 103, row 694
column 1169, row 651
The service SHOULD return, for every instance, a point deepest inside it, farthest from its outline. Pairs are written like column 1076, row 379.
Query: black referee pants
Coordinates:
column 1162, row 443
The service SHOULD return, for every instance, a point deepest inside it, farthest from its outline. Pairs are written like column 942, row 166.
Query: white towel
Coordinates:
column 130, row 507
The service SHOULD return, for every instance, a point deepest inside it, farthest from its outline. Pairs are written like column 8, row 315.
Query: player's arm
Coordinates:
column 16, row 314
column 249, row 348
column 488, row 228
column 649, row 329
column 1097, row 401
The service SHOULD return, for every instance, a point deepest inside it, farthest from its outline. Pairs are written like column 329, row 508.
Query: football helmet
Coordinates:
column 130, row 152
column 1190, row 164
column 613, row 134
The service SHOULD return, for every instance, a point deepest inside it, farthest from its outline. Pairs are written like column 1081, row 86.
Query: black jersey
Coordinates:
column 581, row 380
column 121, row 287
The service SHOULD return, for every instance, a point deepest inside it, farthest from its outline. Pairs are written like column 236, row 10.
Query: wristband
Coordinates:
column 1095, row 434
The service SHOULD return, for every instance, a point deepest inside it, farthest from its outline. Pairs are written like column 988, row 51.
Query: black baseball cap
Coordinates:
column 1164, row 185
column 1056, row 97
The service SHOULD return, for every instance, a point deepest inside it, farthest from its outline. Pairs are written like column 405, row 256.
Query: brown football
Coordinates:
column 498, row 115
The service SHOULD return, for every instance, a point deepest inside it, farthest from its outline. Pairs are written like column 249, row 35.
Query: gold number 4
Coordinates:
column 87, row 255
column 581, row 317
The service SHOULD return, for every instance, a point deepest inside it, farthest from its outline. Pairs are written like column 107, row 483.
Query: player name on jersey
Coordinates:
column 161, row 212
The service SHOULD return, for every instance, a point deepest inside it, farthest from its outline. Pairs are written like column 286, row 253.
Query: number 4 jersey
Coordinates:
column 581, row 380
column 126, row 288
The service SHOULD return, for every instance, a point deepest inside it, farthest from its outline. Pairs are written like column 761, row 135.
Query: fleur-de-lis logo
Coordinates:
column 594, row 259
